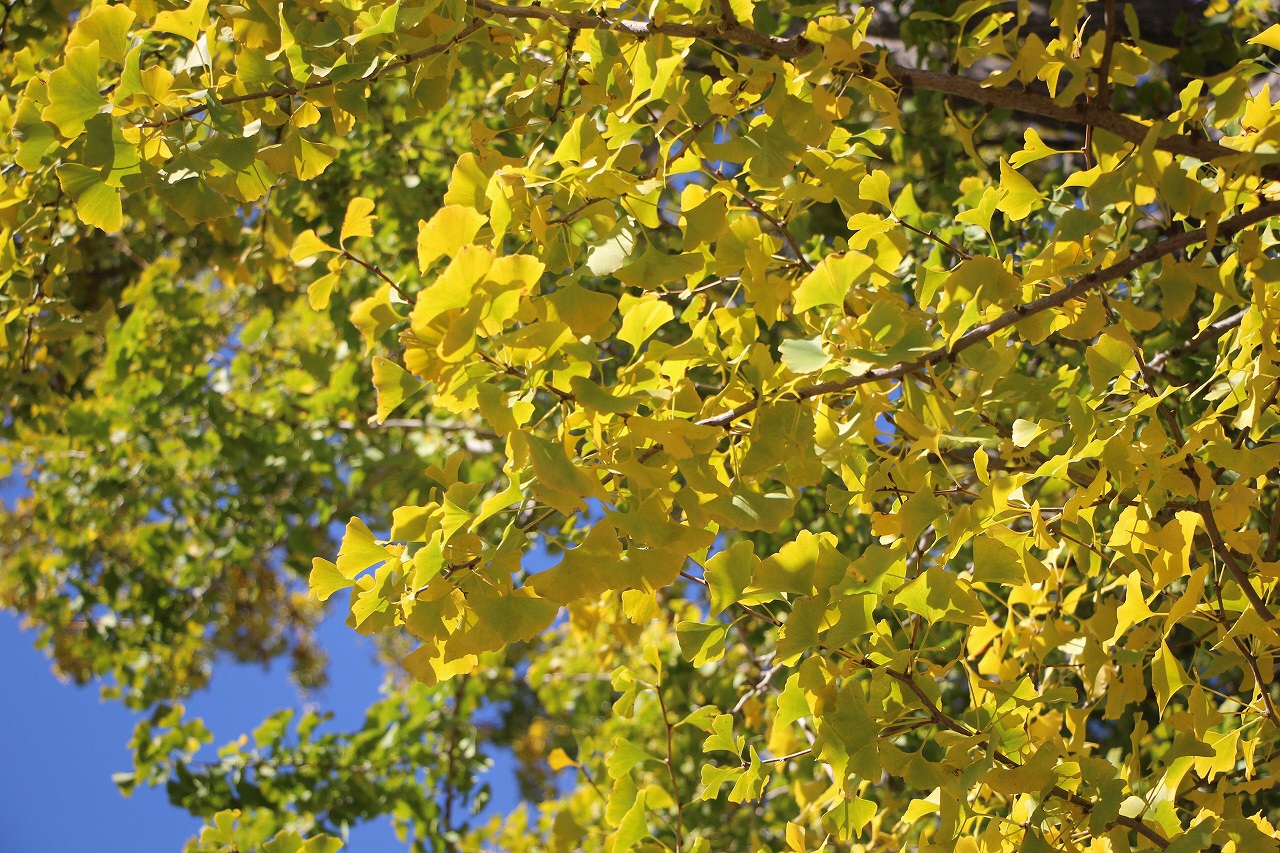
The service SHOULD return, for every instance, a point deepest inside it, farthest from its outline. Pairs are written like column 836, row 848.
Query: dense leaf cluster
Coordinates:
column 894, row 387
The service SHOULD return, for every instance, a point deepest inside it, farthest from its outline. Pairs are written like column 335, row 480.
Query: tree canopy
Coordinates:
column 894, row 386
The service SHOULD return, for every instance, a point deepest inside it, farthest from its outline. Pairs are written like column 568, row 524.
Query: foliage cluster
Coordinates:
column 894, row 385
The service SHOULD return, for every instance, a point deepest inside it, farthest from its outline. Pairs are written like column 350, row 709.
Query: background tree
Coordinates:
column 898, row 384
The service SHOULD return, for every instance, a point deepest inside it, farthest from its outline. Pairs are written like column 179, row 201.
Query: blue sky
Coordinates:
column 61, row 745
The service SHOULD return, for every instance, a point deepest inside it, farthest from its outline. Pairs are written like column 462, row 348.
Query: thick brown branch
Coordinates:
column 1093, row 112
column 981, row 332
column 1087, row 113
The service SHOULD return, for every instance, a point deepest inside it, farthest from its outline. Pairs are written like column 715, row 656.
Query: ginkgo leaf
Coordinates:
column 610, row 255
column 109, row 27
column 451, row 228
column 995, row 562
column 702, row 643
column 186, row 22
column 384, row 24
column 394, row 384
column 358, row 220
column 502, row 620
column 875, row 187
column 830, row 281
column 1033, row 148
column 937, row 596
column 642, row 317
column 35, row 137
column 320, row 291
column 728, row 573
column 359, row 550
column 1167, row 677
column 1018, row 196
column 1134, row 609
column 326, row 579
column 558, row 759
column 97, row 203
column 849, row 817
column 804, row 356
column 73, row 91
column 1270, row 37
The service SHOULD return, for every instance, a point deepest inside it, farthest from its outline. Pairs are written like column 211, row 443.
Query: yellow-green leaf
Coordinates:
column 109, row 27
column 358, row 221
column 939, row 597
column 394, row 384
column 452, row 227
column 326, row 579
column 186, row 22
column 97, row 203
column 1018, row 196
column 73, row 91
column 642, row 317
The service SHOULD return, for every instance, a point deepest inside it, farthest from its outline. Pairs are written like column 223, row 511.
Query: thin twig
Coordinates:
column 564, row 75
column 671, row 768
column 934, row 237
column 1209, row 333
column 376, row 270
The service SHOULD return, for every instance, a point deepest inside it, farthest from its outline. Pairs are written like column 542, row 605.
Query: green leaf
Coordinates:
column 195, row 201
column 625, row 757
column 109, row 27
column 35, row 137
column 849, row 817
column 97, row 203
column 633, row 827
column 554, row 469
column 385, row 24
column 804, row 356
column 702, row 643
column 1167, row 677
column 727, row 575
column 394, row 384
column 642, row 317
column 73, row 92
column 995, row 562
column 937, row 596
column 596, row 398
column 830, row 281
column 299, row 157
column 722, row 738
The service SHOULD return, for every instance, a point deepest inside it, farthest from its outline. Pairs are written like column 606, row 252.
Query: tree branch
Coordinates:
column 1094, row 112
column 1209, row 333
column 286, row 91
column 980, row 333
column 938, row 717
